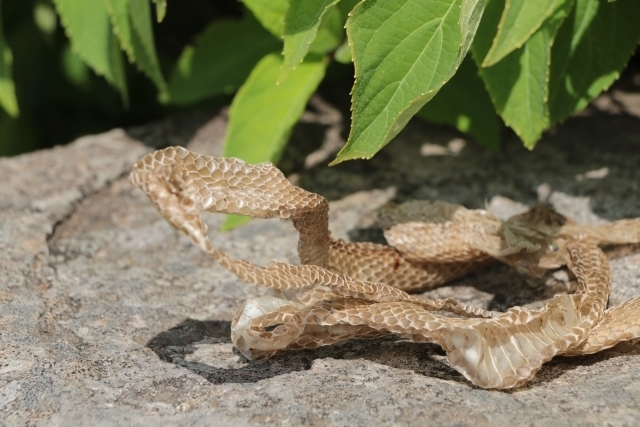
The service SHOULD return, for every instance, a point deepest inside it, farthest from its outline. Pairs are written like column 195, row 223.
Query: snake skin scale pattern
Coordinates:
column 346, row 290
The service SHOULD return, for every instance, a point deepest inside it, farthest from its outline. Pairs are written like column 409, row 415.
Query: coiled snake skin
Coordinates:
column 348, row 290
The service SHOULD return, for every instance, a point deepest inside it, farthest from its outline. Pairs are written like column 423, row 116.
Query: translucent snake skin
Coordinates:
column 346, row 290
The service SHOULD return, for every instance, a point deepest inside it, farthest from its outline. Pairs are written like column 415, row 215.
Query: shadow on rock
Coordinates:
column 561, row 365
column 426, row 359
column 174, row 344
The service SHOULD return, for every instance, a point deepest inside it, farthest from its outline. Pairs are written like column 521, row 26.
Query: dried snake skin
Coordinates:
column 348, row 290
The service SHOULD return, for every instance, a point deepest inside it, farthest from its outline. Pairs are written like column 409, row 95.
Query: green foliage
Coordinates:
column 533, row 63
column 131, row 21
column 404, row 51
column 518, row 84
column 262, row 114
column 220, row 60
column 588, row 54
column 7, row 90
column 565, row 63
column 89, row 28
column 270, row 14
column 521, row 18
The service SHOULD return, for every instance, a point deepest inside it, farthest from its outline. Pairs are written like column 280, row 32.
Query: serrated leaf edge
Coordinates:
column 74, row 48
column 340, row 156
column 153, row 59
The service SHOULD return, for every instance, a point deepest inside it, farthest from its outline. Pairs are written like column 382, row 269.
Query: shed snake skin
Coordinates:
column 346, row 290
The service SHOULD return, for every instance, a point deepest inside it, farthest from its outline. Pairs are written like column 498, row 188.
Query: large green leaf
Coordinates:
column 591, row 49
column 89, row 29
column 301, row 24
column 8, row 99
column 262, row 113
column 520, row 19
column 404, row 51
column 464, row 103
column 220, row 61
column 518, row 85
column 270, row 13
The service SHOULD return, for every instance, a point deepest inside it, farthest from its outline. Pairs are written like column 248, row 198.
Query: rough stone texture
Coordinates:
column 110, row 317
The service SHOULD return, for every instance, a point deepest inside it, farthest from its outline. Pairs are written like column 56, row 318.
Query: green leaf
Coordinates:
column 591, row 48
column 161, row 9
column 89, row 29
column 518, row 85
column 8, row 99
column 301, row 24
column 262, row 113
column 132, row 21
column 520, row 19
column 220, row 61
column 270, row 13
column 464, row 103
column 404, row 51
column 232, row 221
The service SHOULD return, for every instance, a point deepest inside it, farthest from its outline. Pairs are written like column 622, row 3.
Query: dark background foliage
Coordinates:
column 61, row 98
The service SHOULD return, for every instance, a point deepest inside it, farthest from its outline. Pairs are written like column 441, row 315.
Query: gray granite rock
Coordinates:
column 110, row 317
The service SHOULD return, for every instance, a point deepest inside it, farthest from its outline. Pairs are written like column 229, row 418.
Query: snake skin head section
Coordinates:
column 280, row 321
column 266, row 323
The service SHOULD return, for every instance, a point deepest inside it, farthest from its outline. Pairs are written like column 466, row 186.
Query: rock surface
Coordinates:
column 110, row 317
